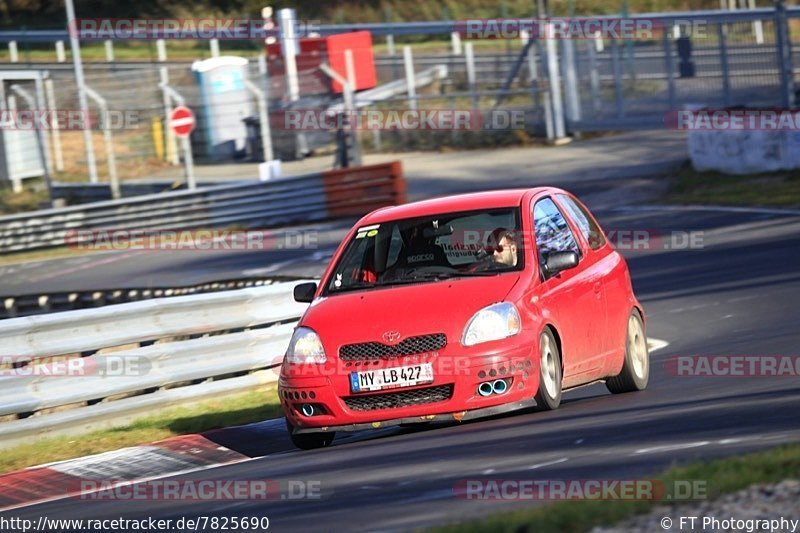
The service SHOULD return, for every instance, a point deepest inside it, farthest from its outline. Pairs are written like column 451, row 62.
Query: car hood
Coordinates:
column 410, row 310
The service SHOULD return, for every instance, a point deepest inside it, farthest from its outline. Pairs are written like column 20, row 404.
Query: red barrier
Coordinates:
column 356, row 191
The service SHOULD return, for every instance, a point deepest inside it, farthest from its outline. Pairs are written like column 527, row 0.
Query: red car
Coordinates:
column 461, row 307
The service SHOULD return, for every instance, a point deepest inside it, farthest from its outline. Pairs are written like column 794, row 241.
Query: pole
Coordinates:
column 411, row 85
column 75, row 45
column 163, row 74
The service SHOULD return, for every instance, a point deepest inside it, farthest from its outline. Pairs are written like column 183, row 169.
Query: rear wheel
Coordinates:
column 636, row 369
column 548, row 396
column 309, row 441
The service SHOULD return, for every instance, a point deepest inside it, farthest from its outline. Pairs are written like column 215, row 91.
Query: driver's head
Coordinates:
column 503, row 247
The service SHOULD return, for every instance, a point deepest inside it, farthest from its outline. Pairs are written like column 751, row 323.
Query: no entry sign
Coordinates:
column 182, row 121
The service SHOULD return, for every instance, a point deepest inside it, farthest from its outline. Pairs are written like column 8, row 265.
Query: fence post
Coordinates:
column 214, row 46
column 722, row 31
column 573, row 99
column 784, row 47
column 263, row 114
column 109, row 141
column 350, row 73
column 594, row 75
column 411, row 85
column 469, row 58
column 555, row 85
column 758, row 26
column 670, row 66
column 13, row 53
column 617, row 78
column 56, row 132
column 455, row 40
column 171, row 148
column 109, row 44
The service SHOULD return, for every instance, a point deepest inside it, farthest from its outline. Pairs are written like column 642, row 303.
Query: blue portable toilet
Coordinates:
column 225, row 102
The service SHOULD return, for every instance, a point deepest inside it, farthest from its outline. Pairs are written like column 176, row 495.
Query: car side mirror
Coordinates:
column 304, row 292
column 558, row 261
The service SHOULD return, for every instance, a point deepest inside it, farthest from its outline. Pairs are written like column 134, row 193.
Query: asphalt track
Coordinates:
column 736, row 295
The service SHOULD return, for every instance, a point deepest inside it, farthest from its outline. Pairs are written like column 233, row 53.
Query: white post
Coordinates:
column 390, row 45
column 58, row 155
column 455, row 39
column 263, row 115
column 61, row 56
column 758, row 26
column 82, row 103
column 187, row 156
column 350, row 73
column 171, row 147
column 13, row 144
column 469, row 57
column 13, row 53
column 109, row 44
column 411, row 85
column 555, row 85
column 214, row 45
column 108, row 140
column 599, row 45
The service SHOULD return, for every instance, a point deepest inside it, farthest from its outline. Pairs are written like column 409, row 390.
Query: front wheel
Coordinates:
column 636, row 369
column 309, row 441
column 548, row 396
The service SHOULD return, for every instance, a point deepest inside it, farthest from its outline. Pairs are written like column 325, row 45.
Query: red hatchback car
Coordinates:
column 461, row 307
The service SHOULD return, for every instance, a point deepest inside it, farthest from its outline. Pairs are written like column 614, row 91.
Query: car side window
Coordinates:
column 584, row 221
column 552, row 231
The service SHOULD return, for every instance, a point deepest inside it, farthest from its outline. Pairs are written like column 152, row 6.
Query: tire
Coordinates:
column 309, row 441
column 636, row 369
column 548, row 397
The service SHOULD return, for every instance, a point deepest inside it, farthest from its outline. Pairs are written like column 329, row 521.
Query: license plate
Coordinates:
column 391, row 378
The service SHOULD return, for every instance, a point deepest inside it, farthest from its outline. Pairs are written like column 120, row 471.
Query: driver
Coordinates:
column 502, row 244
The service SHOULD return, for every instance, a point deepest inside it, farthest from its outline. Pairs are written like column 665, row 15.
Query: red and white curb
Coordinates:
column 55, row 481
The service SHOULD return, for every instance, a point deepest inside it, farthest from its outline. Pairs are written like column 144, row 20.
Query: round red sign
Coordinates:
column 182, row 121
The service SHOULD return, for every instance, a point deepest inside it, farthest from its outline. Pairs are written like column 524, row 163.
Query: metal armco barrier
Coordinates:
column 345, row 192
column 250, row 330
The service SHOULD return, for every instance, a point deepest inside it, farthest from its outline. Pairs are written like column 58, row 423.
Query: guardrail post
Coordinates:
column 108, row 140
column 163, row 74
column 758, row 26
column 408, row 63
column 13, row 53
column 109, row 45
column 455, row 41
column 214, row 46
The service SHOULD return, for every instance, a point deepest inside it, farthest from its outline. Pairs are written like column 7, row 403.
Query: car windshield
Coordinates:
column 429, row 249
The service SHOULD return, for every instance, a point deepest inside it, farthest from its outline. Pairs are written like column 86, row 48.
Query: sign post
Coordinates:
column 182, row 122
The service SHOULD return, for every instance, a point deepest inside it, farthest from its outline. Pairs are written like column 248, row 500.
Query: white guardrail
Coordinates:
column 126, row 360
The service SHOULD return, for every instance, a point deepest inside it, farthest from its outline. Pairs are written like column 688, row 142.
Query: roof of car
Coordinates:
column 450, row 204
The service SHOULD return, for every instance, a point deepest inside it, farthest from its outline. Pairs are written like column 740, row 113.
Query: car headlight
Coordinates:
column 492, row 323
column 305, row 347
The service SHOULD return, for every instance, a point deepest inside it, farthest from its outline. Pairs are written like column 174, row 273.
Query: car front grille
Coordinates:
column 392, row 400
column 375, row 350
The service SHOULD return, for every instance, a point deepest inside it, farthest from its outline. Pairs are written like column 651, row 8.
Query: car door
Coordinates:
column 573, row 296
